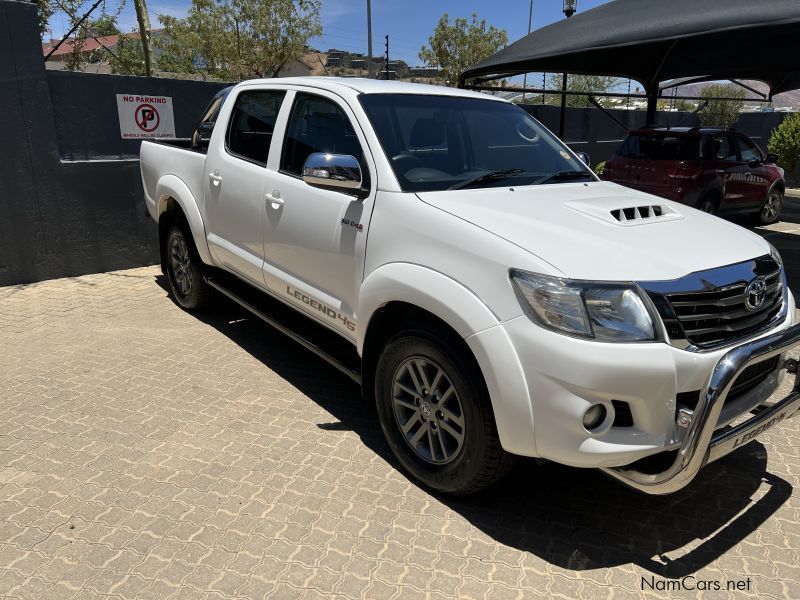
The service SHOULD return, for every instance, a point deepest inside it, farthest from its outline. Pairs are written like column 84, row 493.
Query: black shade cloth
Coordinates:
column 656, row 40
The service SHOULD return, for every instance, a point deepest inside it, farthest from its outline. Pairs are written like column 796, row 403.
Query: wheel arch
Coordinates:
column 173, row 198
column 401, row 293
column 410, row 285
column 778, row 184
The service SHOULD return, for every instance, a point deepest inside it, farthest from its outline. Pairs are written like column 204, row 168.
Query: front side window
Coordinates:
column 442, row 142
column 748, row 149
column 252, row 123
column 318, row 125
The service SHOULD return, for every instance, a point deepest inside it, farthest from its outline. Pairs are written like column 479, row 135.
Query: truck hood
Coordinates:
column 603, row 231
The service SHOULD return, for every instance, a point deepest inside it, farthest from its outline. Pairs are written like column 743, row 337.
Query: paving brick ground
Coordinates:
column 146, row 453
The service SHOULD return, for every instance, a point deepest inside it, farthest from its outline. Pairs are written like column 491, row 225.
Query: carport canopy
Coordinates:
column 651, row 41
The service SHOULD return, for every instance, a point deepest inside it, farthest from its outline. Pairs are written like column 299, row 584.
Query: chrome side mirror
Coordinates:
column 332, row 171
column 584, row 158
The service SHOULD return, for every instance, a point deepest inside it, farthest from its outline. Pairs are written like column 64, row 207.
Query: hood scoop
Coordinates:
column 611, row 210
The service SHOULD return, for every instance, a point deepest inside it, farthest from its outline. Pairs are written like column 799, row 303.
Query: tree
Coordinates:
column 46, row 9
column 454, row 48
column 721, row 113
column 785, row 142
column 237, row 39
column 103, row 25
column 580, row 83
column 128, row 57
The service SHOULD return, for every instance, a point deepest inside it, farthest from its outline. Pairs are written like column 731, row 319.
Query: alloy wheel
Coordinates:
column 428, row 411
column 180, row 261
column 771, row 207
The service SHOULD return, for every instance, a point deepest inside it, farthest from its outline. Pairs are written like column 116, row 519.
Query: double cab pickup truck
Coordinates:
column 493, row 297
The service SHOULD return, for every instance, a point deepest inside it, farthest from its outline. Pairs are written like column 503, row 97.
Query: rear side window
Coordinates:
column 252, row 123
column 661, row 147
column 209, row 118
column 318, row 125
column 723, row 148
column 629, row 147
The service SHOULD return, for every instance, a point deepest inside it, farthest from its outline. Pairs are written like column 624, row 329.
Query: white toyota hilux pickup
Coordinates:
column 490, row 294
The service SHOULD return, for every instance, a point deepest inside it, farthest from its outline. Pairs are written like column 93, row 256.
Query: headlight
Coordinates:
column 608, row 312
column 776, row 256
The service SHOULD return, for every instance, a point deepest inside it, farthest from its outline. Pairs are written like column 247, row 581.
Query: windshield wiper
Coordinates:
column 491, row 176
column 564, row 176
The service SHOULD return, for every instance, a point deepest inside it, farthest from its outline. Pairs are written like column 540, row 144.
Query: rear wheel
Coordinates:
column 184, row 271
column 771, row 210
column 709, row 204
column 436, row 415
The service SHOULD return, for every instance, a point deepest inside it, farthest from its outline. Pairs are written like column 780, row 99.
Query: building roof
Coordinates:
column 90, row 44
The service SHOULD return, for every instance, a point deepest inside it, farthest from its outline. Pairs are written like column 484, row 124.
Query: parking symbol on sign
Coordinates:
column 146, row 117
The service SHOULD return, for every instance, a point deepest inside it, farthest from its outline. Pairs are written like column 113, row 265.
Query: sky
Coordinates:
column 409, row 23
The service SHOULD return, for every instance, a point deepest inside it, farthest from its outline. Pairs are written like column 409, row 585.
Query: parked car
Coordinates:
column 492, row 296
column 712, row 169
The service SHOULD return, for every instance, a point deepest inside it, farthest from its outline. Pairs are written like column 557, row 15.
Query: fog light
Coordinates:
column 594, row 416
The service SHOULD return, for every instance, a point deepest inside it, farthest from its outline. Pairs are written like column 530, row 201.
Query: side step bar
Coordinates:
column 329, row 346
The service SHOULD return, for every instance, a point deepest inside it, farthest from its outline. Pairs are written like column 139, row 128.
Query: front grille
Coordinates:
column 708, row 308
column 752, row 376
column 746, row 381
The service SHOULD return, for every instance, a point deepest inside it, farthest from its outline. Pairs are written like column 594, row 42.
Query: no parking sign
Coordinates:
column 145, row 116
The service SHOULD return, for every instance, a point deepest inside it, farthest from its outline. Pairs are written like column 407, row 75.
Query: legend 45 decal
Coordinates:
column 354, row 224
column 326, row 310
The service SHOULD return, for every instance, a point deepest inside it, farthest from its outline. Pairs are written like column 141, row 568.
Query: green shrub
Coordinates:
column 600, row 167
column 785, row 142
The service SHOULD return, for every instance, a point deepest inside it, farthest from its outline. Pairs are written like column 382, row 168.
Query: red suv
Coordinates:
column 712, row 169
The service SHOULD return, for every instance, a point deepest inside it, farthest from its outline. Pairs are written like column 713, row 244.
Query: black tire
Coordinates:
column 770, row 211
column 709, row 203
column 480, row 460
column 185, row 271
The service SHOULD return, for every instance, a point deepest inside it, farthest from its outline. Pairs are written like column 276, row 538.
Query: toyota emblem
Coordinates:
column 755, row 293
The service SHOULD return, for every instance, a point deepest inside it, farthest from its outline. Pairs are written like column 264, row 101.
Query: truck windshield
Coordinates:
column 443, row 142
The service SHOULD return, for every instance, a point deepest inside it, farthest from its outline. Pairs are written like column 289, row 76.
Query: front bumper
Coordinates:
column 541, row 383
column 701, row 443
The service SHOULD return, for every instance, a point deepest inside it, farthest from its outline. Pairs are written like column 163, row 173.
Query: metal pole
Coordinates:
column 652, row 104
column 369, row 38
column 387, row 57
column 562, row 120
column 525, row 77
column 144, row 34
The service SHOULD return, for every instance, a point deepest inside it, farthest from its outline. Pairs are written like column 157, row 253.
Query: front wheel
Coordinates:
column 436, row 415
column 184, row 271
column 771, row 210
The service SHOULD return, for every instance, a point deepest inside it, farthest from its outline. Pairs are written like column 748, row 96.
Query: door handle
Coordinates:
column 215, row 178
column 274, row 199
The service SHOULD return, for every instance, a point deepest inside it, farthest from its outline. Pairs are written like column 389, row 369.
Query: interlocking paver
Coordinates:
column 146, row 452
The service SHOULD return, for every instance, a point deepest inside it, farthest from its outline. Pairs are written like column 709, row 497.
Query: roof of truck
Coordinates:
column 374, row 86
column 679, row 130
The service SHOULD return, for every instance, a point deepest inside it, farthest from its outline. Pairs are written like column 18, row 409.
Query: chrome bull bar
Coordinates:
column 700, row 444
